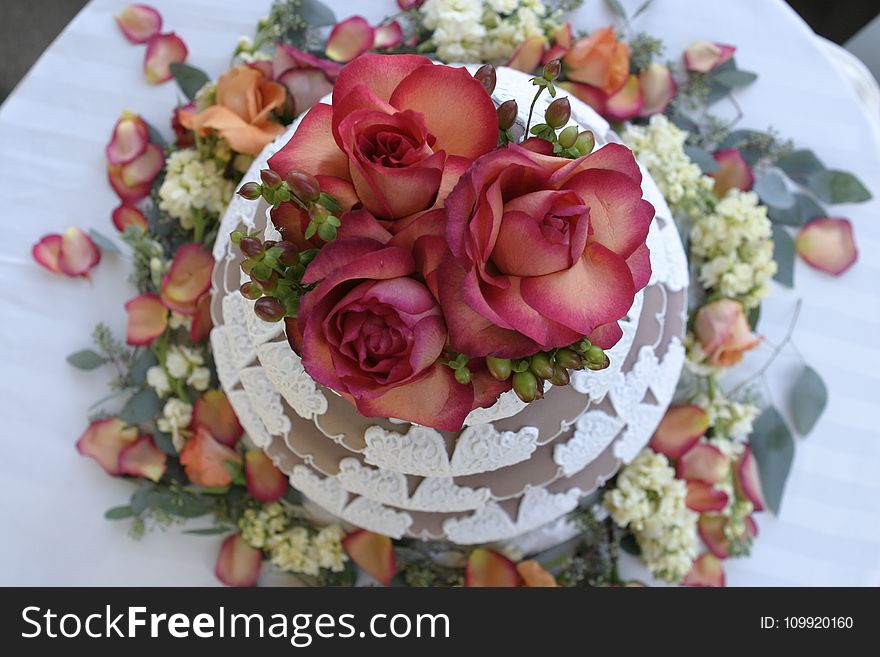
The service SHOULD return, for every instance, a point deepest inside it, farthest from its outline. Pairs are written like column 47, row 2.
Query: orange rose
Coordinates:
column 599, row 60
column 724, row 332
column 242, row 113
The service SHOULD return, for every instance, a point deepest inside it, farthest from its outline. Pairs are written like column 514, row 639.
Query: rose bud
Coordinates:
column 250, row 291
column 558, row 113
column 304, row 185
column 270, row 178
column 269, row 309
column 552, row 69
column 250, row 191
column 525, row 385
column 250, row 246
column 568, row 137
column 486, row 75
column 499, row 367
column 569, row 360
column 541, row 365
column 507, row 112
column 560, row 376
column 585, row 143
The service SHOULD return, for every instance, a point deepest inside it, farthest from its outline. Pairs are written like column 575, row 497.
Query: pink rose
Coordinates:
column 543, row 251
column 724, row 333
column 374, row 333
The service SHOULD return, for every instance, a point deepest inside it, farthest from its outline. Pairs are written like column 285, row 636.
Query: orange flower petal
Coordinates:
column 204, row 460
column 265, row 482
column 213, row 413
column 827, row 244
column 373, row 552
column 748, row 481
column 143, row 458
column 188, row 279
column 202, row 323
column 703, row 497
column 703, row 462
column 490, row 568
column 679, row 430
column 706, row 571
column 527, row 56
column 349, row 38
column 147, row 319
column 658, row 88
column 139, row 23
column 627, row 102
column 711, row 528
column 162, row 51
column 733, row 172
column 534, row 575
column 103, row 441
column 238, row 564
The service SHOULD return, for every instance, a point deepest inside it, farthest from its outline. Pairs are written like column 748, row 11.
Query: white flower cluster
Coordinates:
column 181, row 363
column 193, row 184
column 176, row 417
column 728, row 418
column 471, row 31
column 735, row 248
column 651, row 502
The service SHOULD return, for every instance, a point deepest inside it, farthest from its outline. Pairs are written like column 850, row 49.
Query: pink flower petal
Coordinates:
column 147, row 319
column 205, row 460
column 733, row 172
column 139, row 23
column 143, row 458
column 488, row 568
column 373, row 552
column 711, row 528
column 79, row 255
column 679, row 430
column 627, row 102
column 592, row 96
column 352, row 37
column 128, row 215
column 658, row 88
column 748, row 481
column 703, row 497
column 265, row 482
column 238, row 564
column 706, row 571
column 827, row 244
column 406, row 5
column 213, row 413
column 188, row 278
column 702, row 56
column 130, row 138
column 527, row 56
column 132, row 181
column 162, row 51
column 103, row 441
column 703, row 462
column 47, row 252
column 202, row 323
column 388, row 36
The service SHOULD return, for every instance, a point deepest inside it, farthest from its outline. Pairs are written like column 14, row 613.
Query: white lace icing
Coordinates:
column 590, row 438
column 265, row 400
column 284, row 368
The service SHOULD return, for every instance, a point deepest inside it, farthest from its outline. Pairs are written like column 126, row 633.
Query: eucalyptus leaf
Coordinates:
column 156, row 136
column 638, row 12
column 702, row 158
column 140, row 499
column 86, row 359
column 773, row 191
column 209, row 531
column 754, row 317
column 629, row 545
column 119, row 513
column 734, row 78
column 103, row 242
column 182, row 505
column 808, row 399
column 145, row 360
column 800, row 164
column 804, row 209
column 834, row 186
column 142, row 406
column 783, row 253
column 316, row 13
column 163, row 442
column 773, row 447
column 189, row 78
column 685, row 122
column 739, row 137
column 616, row 8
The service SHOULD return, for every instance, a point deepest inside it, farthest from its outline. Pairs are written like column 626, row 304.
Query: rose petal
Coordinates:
column 132, row 181
column 599, row 60
column 79, row 255
column 711, row 528
column 606, row 335
column 143, row 458
column 129, row 140
column 103, row 440
column 128, row 215
column 703, row 497
column 312, row 147
column 706, row 571
column 748, row 481
column 535, row 575
column 139, row 23
column 639, row 263
column 213, row 413
column 733, row 172
column 388, row 36
column 658, row 88
column 147, row 319
column 592, row 96
column 703, row 462
column 373, row 552
column 827, row 244
column 265, row 482
column 487, row 568
column 306, row 87
column 626, row 102
column 679, row 430
column 47, row 252
column 188, row 278
column 702, row 56
column 202, row 323
column 528, row 55
column 350, row 38
column 162, row 51
column 379, row 73
column 238, row 564
column 204, row 460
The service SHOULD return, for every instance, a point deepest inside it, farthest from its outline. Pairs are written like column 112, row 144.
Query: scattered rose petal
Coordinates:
column 711, row 528
column 706, row 571
column 238, row 564
column 204, row 460
column 47, row 252
column 827, row 244
column 752, row 526
column 658, row 88
column 374, row 553
column 733, row 172
column 703, row 497
column 406, row 5
column 129, row 140
column 703, row 462
column 265, row 482
column 703, row 56
column 139, row 23
column 350, row 38
column 627, row 102
column 147, row 319
column 748, row 481
column 143, row 458
column 103, row 441
column 528, row 54
column 679, row 430
column 132, row 181
column 535, row 575
column 490, row 568
column 592, row 96
column 213, row 413
column 201, row 325
column 128, row 215
column 388, row 36
column 162, row 51
column 188, row 278
column 79, row 255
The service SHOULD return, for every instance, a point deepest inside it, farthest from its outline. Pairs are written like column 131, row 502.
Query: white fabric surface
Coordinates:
column 52, row 133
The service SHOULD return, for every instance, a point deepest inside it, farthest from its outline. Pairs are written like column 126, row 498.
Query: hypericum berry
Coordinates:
column 463, row 375
column 289, row 253
column 585, row 142
column 270, row 178
column 250, row 246
column 507, row 112
column 318, row 213
column 486, row 75
column 568, row 137
column 250, row 291
column 569, row 360
column 525, row 385
column 247, row 266
column 269, row 309
column 560, row 376
column 541, row 365
column 251, row 191
column 269, row 284
column 558, row 113
column 236, row 235
column 304, row 185
column 599, row 366
column 595, row 355
column 498, row 367
column 552, row 69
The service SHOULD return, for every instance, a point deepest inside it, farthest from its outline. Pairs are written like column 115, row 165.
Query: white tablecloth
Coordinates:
column 53, row 130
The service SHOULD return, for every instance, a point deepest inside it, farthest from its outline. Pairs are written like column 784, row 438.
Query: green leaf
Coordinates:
column 630, row 545
column 773, row 446
column 163, row 442
column 685, row 122
column 181, row 505
column 702, row 158
column 773, row 192
column 140, row 499
column 754, row 317
column 316, row 13
column 734, row 78
column 642, row 9
column 156, row 136
column 189, row 78
column 86, row 359
column 119, row 513
column 103, row 242
column 235, row 471
column 142, row 406
column 808, row 399
column 329, row 202
column 616, row 8
column 800, row 164
column 209, row 531
column 834, row 186
column 739, row 137
column 145, row 360
column 783, row 253
column 804, row 209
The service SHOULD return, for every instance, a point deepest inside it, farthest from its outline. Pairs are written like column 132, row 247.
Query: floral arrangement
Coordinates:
column 391, row 292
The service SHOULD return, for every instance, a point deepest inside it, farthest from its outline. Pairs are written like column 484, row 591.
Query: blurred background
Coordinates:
column 853, row 24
